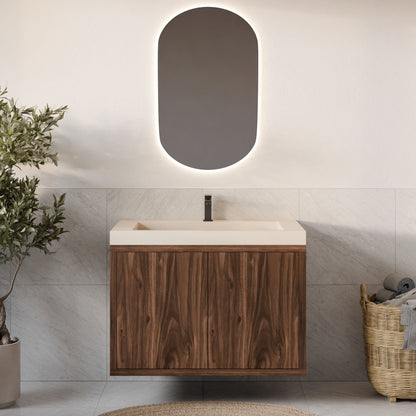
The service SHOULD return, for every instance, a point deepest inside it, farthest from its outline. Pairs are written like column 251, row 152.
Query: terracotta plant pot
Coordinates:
column 9, row 373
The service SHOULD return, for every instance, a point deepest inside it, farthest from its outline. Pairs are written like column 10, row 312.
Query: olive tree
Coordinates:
column 25, row 224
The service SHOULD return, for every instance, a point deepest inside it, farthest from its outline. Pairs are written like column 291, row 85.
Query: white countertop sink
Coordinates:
column 149, row 232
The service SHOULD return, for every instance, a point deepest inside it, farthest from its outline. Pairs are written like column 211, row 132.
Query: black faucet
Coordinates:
column 208, row 208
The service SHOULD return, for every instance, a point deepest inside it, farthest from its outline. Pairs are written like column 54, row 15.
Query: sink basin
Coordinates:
column 209, row 226
column 149, row 232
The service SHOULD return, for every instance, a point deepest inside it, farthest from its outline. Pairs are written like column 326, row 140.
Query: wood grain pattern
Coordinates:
column 226, row 310
column 161, row 310
column 273, row 314
column 255, row 316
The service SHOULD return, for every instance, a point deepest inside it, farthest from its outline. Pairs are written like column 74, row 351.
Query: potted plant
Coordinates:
column 25, row 140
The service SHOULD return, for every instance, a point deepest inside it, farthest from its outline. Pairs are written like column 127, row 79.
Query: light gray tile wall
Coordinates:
column 249, row 204
column 154, row 204
column 3, row 290
column 63, row 331
column 80, row 255
column 4, row 274
column 335, row 348
column 350, row 234
column 61, row 305
column 351, row 239
column 4, row 287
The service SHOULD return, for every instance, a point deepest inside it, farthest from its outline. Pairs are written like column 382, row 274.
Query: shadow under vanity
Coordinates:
column 208, row 298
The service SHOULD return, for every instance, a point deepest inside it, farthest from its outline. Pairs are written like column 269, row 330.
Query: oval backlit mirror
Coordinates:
column 208, row 88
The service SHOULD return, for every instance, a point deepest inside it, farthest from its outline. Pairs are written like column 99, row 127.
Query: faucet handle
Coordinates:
column 208, row 208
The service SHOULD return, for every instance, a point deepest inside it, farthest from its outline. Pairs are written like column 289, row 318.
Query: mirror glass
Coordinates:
column 208, row 88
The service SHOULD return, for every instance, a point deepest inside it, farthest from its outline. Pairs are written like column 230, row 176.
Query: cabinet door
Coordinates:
column 256, row 310
column 161, row 310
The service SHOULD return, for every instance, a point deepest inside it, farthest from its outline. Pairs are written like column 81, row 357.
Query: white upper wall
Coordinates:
column 337, row 91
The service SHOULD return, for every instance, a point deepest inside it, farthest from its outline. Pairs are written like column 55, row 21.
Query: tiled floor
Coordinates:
column 93, row 398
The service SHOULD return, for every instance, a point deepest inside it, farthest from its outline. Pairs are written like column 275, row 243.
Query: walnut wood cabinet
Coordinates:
column 207, row 310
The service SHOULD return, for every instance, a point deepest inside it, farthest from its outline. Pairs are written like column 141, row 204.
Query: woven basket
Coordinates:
column 390, row 369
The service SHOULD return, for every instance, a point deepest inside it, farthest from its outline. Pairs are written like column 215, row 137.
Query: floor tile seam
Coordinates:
column 305, row 398
column 101, row 395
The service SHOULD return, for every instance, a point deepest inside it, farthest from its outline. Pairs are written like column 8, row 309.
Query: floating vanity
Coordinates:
column 208, row 298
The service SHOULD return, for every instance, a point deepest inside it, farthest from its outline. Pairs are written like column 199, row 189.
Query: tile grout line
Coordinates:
column 229, row 188
column 395, row 230
column 10, row 301
column 107, row 312
column 8, row 310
